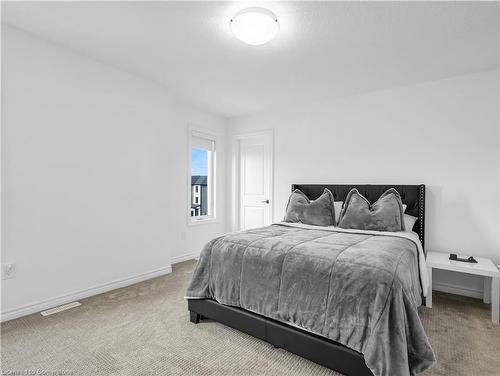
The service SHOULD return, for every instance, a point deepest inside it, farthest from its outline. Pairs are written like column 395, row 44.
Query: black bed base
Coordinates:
column 308, row 345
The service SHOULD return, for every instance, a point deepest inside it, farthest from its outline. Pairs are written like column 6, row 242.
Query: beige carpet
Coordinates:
column 144, row 330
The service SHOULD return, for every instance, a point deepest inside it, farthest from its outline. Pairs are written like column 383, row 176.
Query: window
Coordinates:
column 202, row 177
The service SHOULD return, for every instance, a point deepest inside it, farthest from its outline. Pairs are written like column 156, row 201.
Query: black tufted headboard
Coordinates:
column 412, row 195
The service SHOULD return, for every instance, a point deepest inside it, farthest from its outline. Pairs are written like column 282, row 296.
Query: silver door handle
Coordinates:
column 265, row 202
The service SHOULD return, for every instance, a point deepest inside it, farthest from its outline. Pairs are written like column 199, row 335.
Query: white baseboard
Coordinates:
column 185, row 257
column 452, row 289
column 67, row 298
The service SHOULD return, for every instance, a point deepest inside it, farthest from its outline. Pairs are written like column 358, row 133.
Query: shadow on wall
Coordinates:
column 452, row 224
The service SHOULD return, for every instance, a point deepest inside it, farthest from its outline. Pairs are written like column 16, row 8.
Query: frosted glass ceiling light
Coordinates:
column 255, row 26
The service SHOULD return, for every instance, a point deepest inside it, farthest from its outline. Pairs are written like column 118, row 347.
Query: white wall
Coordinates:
column 190, row 239
column 443, row 134
column 94, row 174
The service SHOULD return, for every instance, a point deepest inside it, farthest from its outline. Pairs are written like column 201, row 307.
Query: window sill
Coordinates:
column 202, row 221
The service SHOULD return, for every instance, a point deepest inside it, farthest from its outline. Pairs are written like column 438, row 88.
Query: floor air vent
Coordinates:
column 60, row 308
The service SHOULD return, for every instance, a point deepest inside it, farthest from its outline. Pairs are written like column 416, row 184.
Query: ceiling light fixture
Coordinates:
column 255, row 26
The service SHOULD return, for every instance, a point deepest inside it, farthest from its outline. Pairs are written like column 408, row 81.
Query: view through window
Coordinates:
column 202, row 177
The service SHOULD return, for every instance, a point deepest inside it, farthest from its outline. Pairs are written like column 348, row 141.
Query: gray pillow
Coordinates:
column 320, row 212
column 386, row 214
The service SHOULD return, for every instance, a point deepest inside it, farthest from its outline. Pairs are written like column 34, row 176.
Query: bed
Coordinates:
column 346, row 299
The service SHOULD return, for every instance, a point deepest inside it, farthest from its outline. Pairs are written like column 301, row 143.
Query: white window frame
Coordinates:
column 211, row 179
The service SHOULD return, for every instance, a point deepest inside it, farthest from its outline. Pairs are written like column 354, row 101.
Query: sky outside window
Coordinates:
column 199, row 164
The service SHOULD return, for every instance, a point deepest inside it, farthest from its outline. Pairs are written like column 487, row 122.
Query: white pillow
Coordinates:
column 409, row 219
column 338, row 208
column 410, row 222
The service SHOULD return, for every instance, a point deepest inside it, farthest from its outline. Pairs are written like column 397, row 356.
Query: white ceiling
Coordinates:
column 324, row 49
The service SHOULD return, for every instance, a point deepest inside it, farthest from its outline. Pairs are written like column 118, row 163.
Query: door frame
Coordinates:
column 235, row 205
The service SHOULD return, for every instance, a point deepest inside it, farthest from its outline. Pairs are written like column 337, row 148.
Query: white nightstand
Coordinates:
column 484, row 267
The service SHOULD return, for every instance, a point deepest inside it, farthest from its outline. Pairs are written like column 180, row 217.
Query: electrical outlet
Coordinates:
column 8, row 271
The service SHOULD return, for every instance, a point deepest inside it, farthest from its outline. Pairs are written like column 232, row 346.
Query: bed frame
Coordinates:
column 318, row 349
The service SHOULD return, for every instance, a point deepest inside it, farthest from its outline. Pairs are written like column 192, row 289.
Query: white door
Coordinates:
column 255, row 166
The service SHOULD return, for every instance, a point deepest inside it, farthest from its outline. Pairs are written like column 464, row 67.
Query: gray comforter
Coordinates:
column 357, row 289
